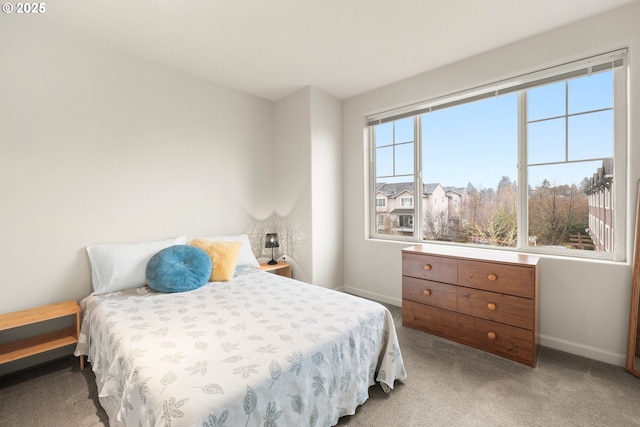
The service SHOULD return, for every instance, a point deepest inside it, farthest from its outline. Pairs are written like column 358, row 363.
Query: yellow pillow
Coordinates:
column 224, row 256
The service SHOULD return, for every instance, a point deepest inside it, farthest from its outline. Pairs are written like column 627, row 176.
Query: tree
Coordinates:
column 557, row 212
column 436, row 224
column 507, row 196
column 500, row 229
column 471, row 206
column 491, row 217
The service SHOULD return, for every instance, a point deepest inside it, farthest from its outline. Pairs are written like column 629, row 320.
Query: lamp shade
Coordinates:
column 272, row 241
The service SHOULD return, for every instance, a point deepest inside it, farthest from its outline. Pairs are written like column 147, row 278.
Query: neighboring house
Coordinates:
column 395, row 208
column 601, row 207
column 455, row 197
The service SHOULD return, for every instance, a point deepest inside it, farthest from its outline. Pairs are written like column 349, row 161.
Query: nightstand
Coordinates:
column 281, row 268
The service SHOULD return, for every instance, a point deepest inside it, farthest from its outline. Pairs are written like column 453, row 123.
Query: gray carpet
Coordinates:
column 448, row 385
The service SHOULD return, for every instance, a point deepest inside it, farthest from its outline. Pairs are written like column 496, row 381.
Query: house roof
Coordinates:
column 403, row 211
column 455, row 190
column 393, row 190
column 430, row 188
column 601, row 178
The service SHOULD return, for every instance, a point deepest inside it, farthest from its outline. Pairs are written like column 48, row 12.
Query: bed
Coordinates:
column 260, row 349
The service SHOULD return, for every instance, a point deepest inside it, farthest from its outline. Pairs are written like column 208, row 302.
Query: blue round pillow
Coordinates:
column 178, row 268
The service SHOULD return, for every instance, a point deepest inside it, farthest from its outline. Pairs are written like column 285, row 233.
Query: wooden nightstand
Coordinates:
column 48, row 341
column 281, row 268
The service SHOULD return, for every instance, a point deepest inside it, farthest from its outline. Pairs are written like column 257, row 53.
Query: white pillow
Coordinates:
column 246, row 258
column 118, row 267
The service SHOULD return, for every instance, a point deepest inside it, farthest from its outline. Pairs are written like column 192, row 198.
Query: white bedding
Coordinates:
column 258, row 350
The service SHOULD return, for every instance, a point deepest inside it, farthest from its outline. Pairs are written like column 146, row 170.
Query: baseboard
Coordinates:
column 373, row 296
column 583, row 350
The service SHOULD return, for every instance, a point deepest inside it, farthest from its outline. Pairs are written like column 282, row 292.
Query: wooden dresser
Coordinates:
column 484, row 299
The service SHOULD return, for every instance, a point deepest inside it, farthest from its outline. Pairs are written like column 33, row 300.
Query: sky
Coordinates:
column 477, row 142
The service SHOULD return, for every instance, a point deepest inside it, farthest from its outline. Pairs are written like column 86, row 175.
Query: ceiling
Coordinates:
column 271, row 48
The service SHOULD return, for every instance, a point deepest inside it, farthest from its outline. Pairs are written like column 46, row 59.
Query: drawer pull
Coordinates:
column 492, row 277
column 427, row 267
column 426, row 292
column 491, row 306
column 491, row 335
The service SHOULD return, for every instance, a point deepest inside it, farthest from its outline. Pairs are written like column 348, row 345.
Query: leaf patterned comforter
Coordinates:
column 258, row 350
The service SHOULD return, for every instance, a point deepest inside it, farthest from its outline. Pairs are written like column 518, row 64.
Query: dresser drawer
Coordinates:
column 429, row 319
column 515, row 311
column 432, row 293
column 508, row 279
column 508, row 341
column 428, row 267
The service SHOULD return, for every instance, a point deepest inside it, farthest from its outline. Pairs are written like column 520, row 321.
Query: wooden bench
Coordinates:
column 19, row 349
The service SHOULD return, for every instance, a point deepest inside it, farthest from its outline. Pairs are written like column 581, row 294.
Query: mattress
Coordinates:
column 261, row 349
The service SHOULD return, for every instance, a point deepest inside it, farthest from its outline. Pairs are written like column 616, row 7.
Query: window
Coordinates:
column 526, row 163
column 394, row 175
column 406, row 221
column 381, row 203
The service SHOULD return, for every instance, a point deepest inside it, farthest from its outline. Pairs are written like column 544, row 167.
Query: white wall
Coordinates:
column 99, row 147
column 293, row 181
column 584, row 304
column 326, row 184
column 309, row 185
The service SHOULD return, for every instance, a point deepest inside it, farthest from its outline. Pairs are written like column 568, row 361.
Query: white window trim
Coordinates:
column 524, row 81
column 402, row 202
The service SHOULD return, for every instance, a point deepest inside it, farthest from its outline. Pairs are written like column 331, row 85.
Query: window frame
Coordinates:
column 408, row 200
column 614, row 60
